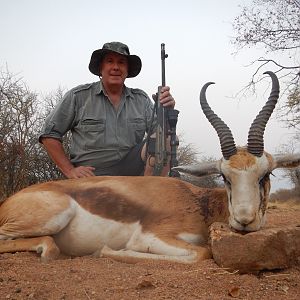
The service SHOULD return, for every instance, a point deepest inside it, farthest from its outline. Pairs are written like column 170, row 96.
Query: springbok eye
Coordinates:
column 226, row 181
column 265, row 178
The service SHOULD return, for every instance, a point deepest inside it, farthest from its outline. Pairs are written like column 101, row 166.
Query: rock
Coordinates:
column 267, row 249
column 145, row 284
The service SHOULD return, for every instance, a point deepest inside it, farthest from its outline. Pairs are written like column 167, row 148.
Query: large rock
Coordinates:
column 268, row 249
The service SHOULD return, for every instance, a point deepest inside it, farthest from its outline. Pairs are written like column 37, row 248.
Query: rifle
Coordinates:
column 166, row 126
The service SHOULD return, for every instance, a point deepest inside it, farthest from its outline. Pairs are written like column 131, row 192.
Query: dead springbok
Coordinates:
column 134, row 218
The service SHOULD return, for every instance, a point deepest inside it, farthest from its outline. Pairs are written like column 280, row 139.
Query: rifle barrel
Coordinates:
column 163, row 66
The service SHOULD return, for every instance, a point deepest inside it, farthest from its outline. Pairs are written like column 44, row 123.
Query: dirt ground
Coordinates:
column 23, row 276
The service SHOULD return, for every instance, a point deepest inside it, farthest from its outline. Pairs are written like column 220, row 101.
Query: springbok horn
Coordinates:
column 225, row 136
column 256, row 132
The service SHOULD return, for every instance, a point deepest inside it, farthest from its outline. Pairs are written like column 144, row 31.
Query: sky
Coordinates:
column 48, row 43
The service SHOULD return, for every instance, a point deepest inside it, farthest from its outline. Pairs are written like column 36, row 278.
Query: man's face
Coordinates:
column 114, row 69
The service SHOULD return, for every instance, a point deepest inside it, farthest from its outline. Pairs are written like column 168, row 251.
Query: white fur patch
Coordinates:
column 59, row 221
column 194, row 239
column 87, row 233
column 150, row 243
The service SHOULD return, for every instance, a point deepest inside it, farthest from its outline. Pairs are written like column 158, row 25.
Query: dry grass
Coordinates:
column 288, row 197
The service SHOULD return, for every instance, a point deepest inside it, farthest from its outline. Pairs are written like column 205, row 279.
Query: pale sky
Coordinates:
column 49, row 43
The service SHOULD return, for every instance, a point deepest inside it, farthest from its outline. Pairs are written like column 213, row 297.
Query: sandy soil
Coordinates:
column 23, row 276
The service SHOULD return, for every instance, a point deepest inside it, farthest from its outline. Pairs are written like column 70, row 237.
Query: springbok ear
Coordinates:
column 201, row 169
column 286, row 160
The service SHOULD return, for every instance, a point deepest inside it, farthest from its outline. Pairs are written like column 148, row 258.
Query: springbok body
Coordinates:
column 132, row 218
column 157, row 217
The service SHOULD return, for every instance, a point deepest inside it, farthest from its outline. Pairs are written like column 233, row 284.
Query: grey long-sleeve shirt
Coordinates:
column 101, row 135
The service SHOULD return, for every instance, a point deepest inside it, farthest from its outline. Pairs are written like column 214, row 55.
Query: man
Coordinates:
column 107, row 120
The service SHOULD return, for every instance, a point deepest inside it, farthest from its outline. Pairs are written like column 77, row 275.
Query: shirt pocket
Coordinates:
column 93, row 133
column 136, row 128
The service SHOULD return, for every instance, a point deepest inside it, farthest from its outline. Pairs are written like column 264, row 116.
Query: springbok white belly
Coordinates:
column 87, row 233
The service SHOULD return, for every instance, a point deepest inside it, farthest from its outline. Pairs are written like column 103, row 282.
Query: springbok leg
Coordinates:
column 44, row 245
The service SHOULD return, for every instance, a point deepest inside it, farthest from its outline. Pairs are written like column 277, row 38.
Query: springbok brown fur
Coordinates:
column 136, row 218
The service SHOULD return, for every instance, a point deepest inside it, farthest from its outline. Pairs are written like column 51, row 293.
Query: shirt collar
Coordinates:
column 100, row 89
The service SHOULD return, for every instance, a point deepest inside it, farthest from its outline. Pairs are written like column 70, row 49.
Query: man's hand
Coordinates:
column 79, row 172
column 166, row 98
column 56, row 152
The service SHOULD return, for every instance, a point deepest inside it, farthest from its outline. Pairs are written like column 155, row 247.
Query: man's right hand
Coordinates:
column 79, row 172
column 56, row 152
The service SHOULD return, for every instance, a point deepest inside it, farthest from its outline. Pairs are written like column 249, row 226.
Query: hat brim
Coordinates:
column 134, row 62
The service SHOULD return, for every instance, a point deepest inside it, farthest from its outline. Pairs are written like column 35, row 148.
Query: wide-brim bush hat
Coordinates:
column 134, row 62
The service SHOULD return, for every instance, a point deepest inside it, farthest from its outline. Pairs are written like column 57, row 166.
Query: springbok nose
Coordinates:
column 244, row 216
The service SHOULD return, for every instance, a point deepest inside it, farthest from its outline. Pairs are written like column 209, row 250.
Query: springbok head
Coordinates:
column 245, row 170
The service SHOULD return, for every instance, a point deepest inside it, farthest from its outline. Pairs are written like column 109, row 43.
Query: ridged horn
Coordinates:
column 255, row 144
column 224, row 133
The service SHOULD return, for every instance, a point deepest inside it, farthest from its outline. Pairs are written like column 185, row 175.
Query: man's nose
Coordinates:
column 116, row 66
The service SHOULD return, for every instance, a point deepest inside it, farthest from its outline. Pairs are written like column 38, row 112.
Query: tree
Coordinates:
column 293, row 175
column 291, row 109
column 17, row 124
column 273, row 25
column 22, row 160
column 186, row 155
